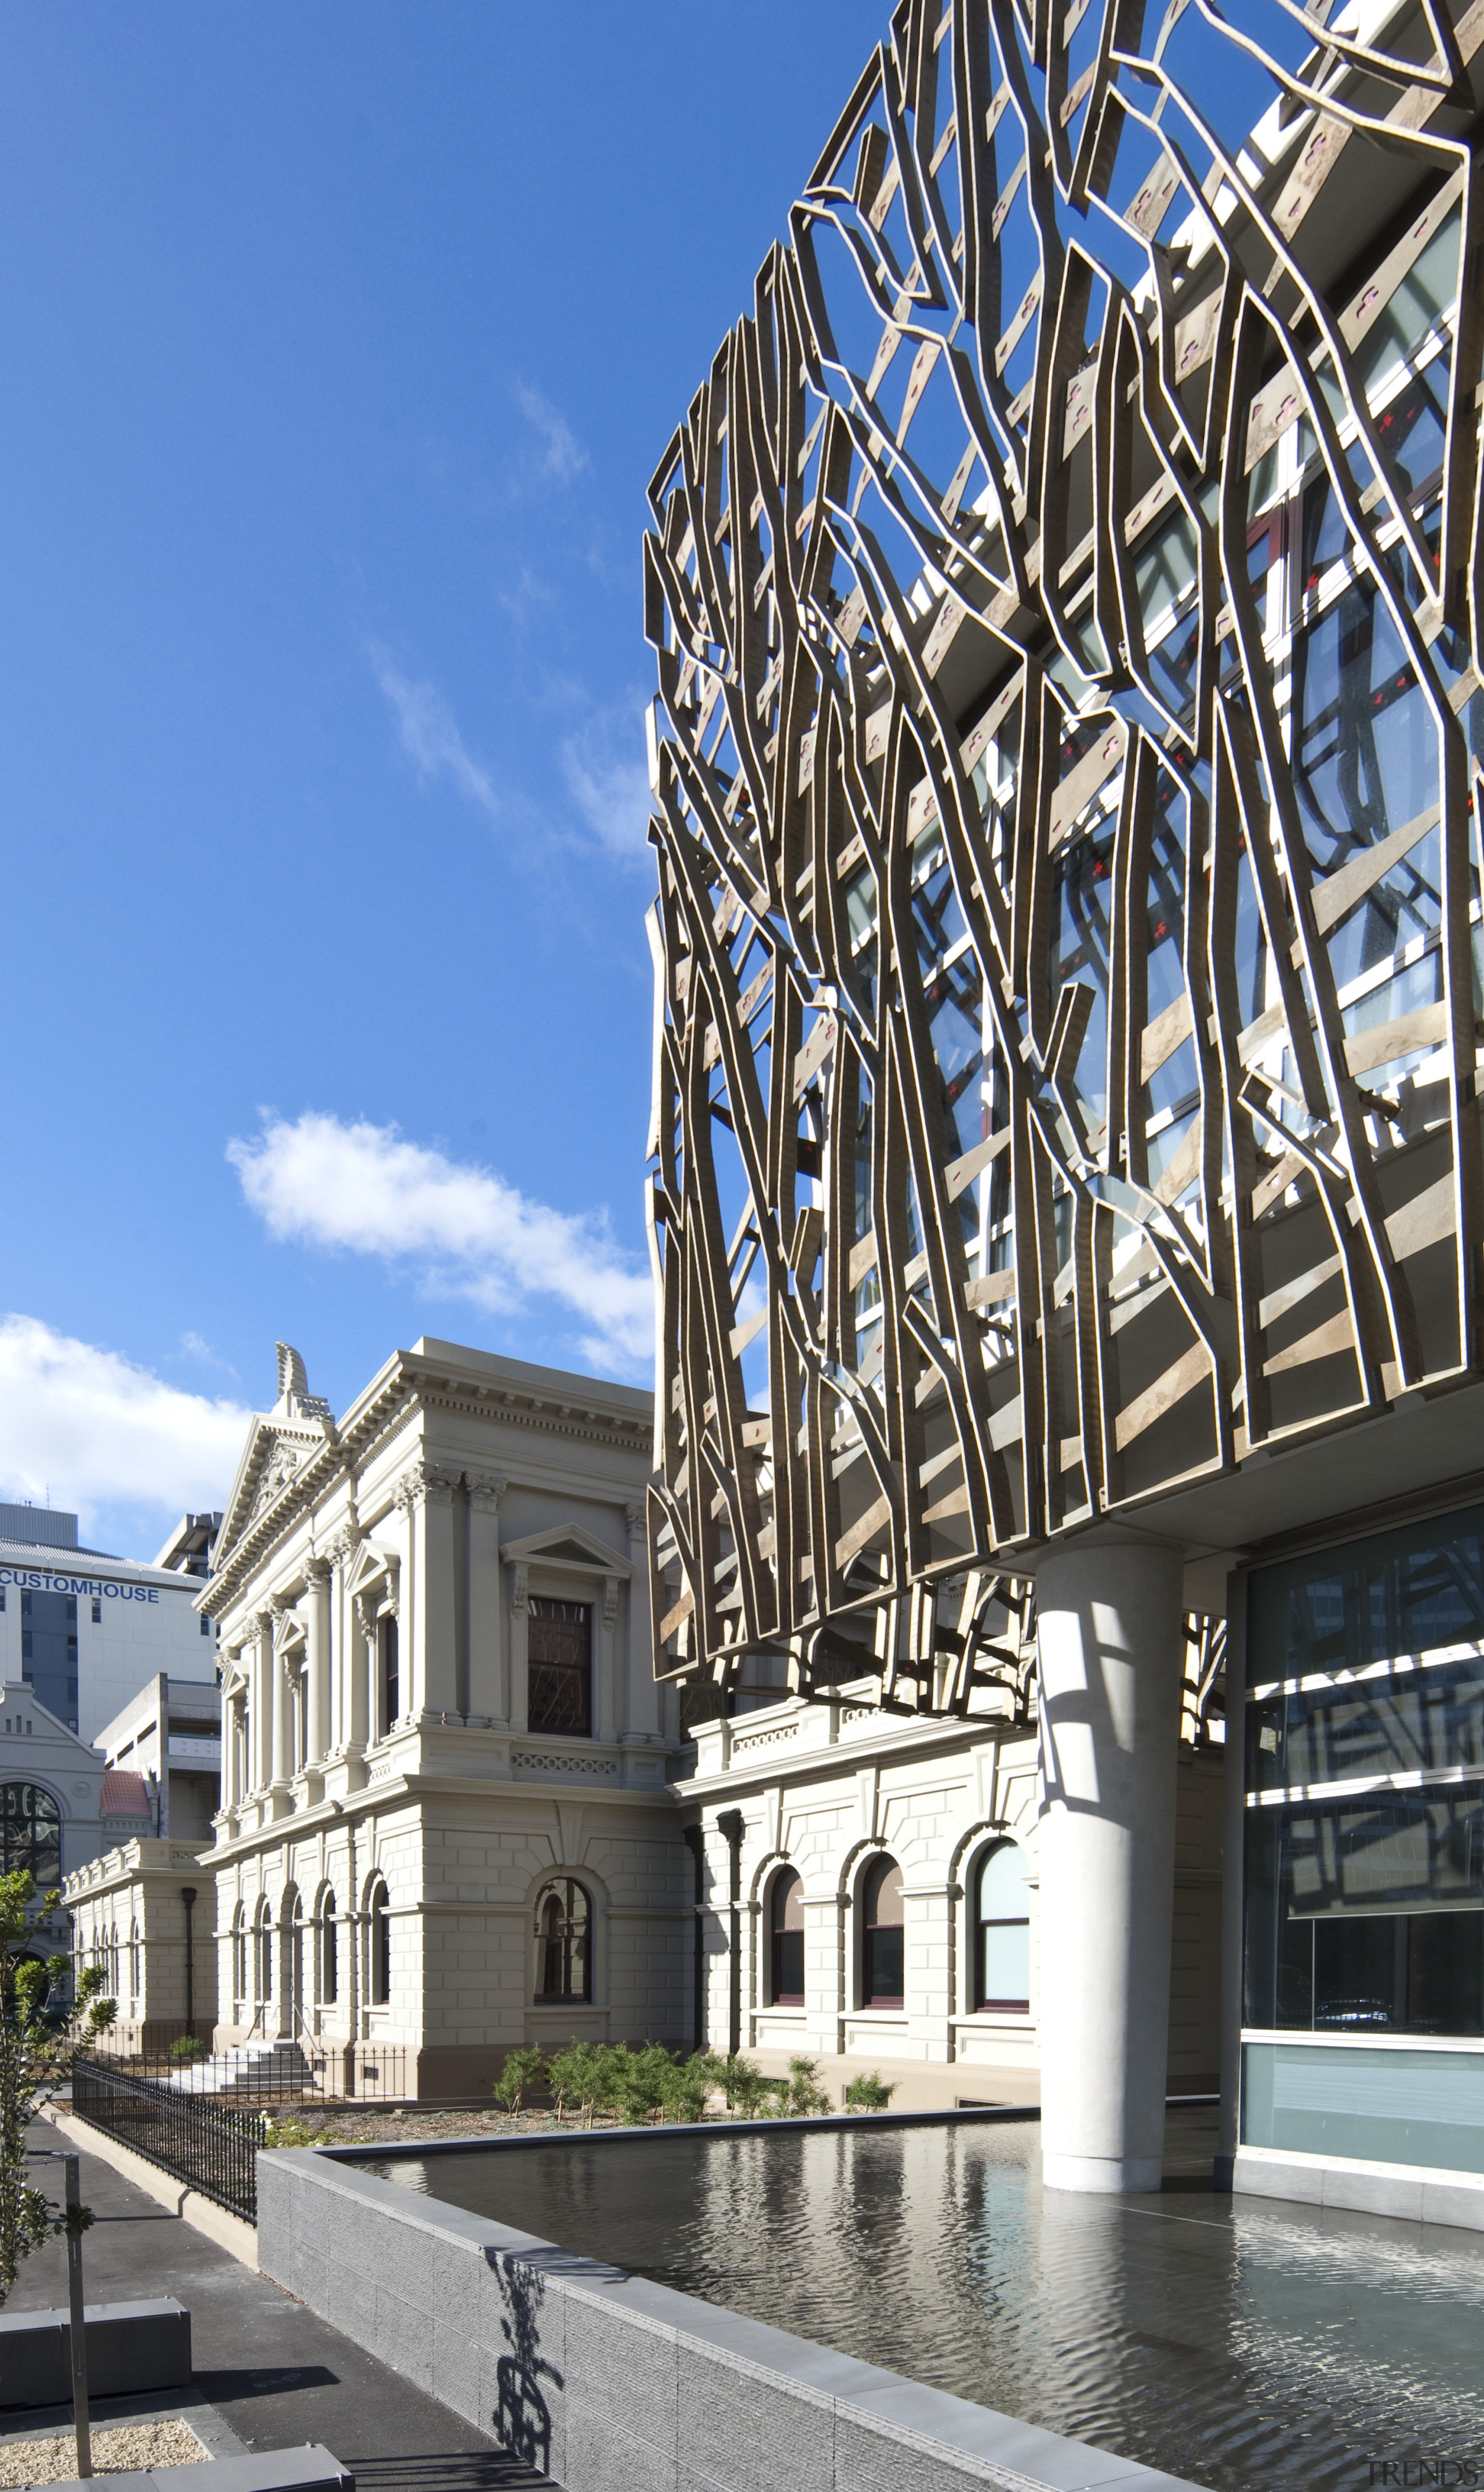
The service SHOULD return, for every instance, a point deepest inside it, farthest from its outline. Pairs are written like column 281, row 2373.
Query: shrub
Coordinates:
column 524, row 2072
column 686, row 2087
column 637, row 2080
column 748, row 2091
column 868, row 2092
column 582, row 2075
column 293, row 2132
column 804, row 2093
column 187, row 2048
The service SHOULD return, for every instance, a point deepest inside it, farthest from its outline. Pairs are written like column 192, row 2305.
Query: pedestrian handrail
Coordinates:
column 209, row 2145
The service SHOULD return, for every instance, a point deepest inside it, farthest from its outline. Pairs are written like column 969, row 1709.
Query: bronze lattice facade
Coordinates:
column 1066, row 595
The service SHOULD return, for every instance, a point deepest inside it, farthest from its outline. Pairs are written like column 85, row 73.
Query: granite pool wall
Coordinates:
column 608, row 2382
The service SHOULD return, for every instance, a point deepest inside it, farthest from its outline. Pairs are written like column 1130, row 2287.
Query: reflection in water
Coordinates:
column 1229, row 2342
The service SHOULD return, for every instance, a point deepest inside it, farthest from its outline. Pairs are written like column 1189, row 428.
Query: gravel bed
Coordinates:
column 116, row 2448
column 403, row 2128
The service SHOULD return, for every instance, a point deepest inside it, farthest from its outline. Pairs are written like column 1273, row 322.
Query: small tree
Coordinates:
column 804, row 2093
column 685, row 2087
column 187, row 2049
column 582, row 2074
column 866, row 2093
column 39, row 2043
column 747, row 2090
column 523, row 2071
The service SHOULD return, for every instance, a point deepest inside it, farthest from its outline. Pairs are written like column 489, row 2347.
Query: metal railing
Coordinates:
column 302, row 2067
column 210, row 2144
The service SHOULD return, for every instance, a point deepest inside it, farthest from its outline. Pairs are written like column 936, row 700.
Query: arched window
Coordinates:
column 239, row 1956
column 329, row 1951
column 1002, row 1933
column 785, row 1970
column 563, row 1956
column 380, row 1984
column 881, row 1949
column 31, row 1832
column 262, row 1951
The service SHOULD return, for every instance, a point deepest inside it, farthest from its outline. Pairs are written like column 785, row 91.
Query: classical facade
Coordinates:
column 60, row 1806
column 445, row 1823
column 1066, row 1157
column 142, row 1912
column 870, row 1894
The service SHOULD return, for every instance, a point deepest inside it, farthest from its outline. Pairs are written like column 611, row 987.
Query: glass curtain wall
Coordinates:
column 1365, row 1787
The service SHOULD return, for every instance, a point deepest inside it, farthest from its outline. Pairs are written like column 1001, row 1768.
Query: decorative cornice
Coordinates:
column 409, row 1386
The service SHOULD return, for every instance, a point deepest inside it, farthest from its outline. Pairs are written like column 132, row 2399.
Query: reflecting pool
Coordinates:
column 1235, row 2342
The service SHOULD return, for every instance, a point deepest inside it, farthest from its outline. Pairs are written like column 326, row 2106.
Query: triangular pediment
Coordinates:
column 275, row 1454
column 566, row 1544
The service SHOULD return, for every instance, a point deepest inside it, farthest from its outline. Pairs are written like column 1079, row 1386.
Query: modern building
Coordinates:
column 445, row 1826
column 60, row 1806
column 87, row 1629
column 133, row 1905
column 170, row 1733
column 1065, row 1146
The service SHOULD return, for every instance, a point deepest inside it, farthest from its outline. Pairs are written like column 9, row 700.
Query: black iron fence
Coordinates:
column 307, row 2071
column 210, row 2144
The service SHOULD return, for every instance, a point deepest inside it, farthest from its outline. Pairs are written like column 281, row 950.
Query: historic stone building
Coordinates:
column 144, row 1912
column 887, row 1897
column 445, row 1825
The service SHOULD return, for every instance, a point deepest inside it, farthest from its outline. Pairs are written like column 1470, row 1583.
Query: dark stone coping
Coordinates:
column 415, row 2147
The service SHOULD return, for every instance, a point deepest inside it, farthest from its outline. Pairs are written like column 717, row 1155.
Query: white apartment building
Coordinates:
column 85, row 1629
column 445, row 1823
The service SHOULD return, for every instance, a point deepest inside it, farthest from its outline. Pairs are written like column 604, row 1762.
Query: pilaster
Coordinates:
column 426, row 1495
column 488, row 1692
column 641, row 1694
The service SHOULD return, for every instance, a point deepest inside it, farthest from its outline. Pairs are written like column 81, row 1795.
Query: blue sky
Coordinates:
column 340, row 339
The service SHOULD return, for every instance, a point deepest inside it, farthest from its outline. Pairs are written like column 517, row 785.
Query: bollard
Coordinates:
column 78, row 2329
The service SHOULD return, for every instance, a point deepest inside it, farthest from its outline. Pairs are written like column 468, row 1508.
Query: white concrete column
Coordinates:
column 607, row 1663
column 261, row 1702
column 427, row 1633
column 642, row 1715
column 283, row 1696
column 1111, row 1644
column 317, row 1665
column 232, row 1733
column 520, row 1644
column 489, row 1695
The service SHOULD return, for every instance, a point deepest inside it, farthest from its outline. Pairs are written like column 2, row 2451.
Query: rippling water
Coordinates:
column 1235, row 2342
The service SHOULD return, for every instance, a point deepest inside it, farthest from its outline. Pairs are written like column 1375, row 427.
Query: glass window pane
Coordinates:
column 1005, row 1964
column 1003, row 1894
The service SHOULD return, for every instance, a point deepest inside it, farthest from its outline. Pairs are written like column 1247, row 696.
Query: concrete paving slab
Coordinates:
column 277, row 2374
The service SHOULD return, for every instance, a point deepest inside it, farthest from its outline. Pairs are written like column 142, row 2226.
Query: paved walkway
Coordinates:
column 277, row 2375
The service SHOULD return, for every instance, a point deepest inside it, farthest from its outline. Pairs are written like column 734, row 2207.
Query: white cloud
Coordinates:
column 430, row 733
column 89, row 1428
column 564, row 456
column 606, row 771
column 363, row 1188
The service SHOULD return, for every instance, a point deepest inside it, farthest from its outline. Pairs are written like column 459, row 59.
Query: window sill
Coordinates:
column 883, row 2015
